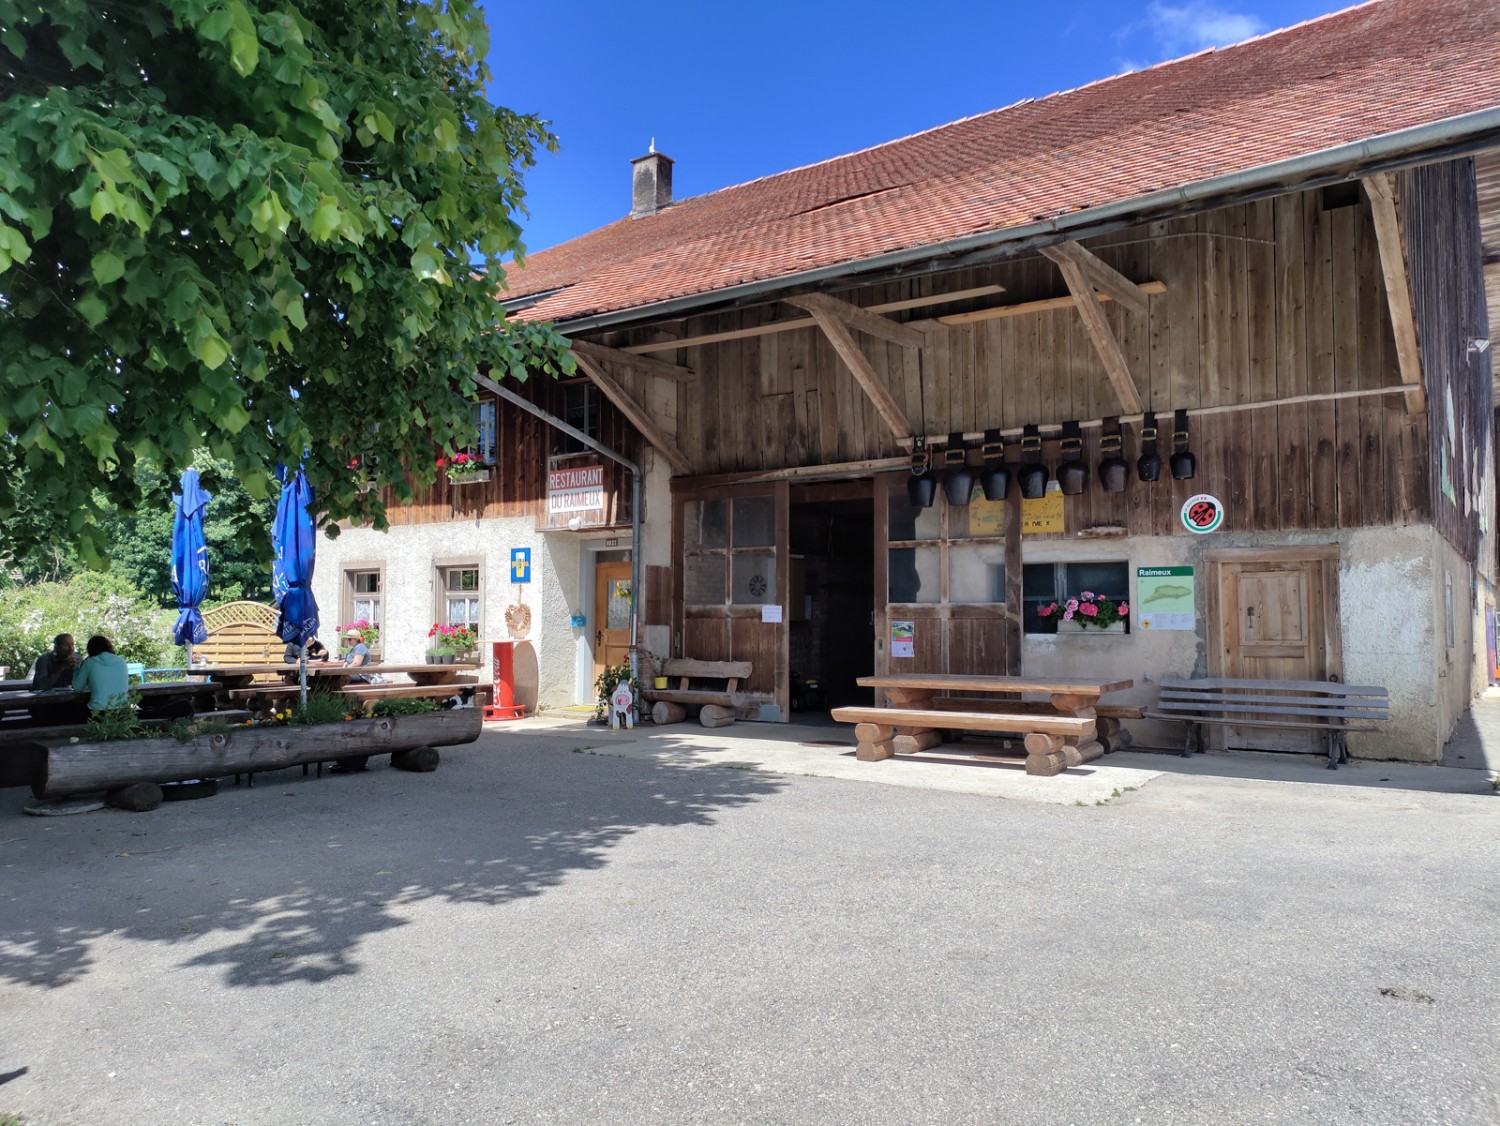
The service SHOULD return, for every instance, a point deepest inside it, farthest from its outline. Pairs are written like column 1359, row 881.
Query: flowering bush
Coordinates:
column 369, row 632
column 1088, row 609
column 84, row 605
column 452, row 639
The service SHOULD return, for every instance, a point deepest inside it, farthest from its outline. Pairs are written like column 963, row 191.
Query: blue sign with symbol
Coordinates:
column 520, row 564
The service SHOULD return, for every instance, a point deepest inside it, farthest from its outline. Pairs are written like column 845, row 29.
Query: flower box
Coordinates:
column 467, row 476
column 1076, row 627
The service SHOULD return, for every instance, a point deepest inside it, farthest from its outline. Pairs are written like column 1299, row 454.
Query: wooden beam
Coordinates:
column 646, row 365
column 1101, row 275
column 1115, row 364
column 864, row 374
column 807, row 322
column 1041, row 305
column 1383, row 207
column 638, row 416
column 872, row 324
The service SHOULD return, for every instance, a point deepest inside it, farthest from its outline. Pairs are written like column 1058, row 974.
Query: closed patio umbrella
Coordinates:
column 189, row 562
column 292, row 539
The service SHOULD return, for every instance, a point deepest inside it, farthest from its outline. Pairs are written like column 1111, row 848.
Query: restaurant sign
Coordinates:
column 578, row 488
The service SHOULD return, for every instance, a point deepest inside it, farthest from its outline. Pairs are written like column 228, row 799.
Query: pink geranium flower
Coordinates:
column 1089, row 610
column 1072, row 604
column 1068, row 617
column 1124, row 608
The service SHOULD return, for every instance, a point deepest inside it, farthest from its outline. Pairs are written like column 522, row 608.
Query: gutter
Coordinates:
column 1454, row 136
column 635, row 501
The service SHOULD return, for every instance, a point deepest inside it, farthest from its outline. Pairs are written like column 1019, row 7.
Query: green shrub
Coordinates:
column 607, row 681
column 413, row 706
column 84, row 605
column 323, row 707
column 116, row 723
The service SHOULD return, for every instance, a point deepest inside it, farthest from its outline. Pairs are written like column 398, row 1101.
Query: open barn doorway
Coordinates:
column 831, row 640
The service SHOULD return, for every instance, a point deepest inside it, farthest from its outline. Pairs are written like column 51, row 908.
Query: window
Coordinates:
column 730, row 552
column 966, row 543
column 364, row 593
column 460, row 590
column 1045, row 583
column 486, row 415
column 580, row 411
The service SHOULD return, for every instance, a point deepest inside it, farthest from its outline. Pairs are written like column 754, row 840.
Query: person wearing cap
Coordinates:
column 358, row 655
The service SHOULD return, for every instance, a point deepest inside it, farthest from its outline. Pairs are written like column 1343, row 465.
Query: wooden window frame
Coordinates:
column 440, row 593
column 347, row 593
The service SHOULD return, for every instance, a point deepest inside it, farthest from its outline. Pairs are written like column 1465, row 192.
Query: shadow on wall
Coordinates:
column 287, row 890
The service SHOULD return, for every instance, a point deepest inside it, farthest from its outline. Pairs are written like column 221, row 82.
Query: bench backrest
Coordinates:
column 706, row 670
column 1310, row 699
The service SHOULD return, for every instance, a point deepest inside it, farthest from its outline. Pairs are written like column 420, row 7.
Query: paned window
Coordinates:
column 461, row 592
column 486, row 417
column 580, row 411
column 730, row 548
column 1042, row 584
column 363, row 596
column 946, row 553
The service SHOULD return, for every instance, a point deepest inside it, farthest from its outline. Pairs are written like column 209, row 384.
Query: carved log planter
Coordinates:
column 81, row 767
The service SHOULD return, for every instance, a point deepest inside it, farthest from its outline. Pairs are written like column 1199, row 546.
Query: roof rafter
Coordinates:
column 646, row 365
column 1101, row 275
column 638, row 416
column 1094, row 322
column 1384, row 209
column 848, row 350
column 872, row 324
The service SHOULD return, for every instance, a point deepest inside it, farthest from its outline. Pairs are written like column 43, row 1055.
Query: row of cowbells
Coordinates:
column 993, row 474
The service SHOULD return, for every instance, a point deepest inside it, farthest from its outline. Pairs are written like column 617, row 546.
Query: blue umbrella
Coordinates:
column 292, row 538
column 189, row 561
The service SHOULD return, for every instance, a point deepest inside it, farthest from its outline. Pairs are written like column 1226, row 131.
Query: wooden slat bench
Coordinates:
column 1053, row 741
column 1324, row 706
column 716, row 705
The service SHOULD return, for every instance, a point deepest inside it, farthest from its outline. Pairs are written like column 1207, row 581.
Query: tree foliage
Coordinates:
column 89, row 603
column 271, row 228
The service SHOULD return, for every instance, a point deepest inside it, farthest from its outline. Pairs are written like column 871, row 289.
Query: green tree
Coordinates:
column 271, row 228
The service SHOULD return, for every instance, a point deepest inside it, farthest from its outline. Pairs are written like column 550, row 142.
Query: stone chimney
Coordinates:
column 650, row 183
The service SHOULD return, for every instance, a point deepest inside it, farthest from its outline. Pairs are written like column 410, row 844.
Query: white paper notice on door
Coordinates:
column 903, row 639
column 770, row 613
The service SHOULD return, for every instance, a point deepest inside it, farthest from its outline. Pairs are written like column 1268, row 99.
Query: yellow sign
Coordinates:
column 1044, row 515
column 986, row 517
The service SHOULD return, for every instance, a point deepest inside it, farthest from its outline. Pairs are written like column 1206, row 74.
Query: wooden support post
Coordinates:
column 646, row 365
column 1385, row 210
column 916, row 741
column 1045, row 765
column 864, row 374
column 1110, row 353
column 872, row 324
column 1038, row 743
column 715, row 715
column 664, row 712
column 419, row 760
column 874, row 752
column 637, row 415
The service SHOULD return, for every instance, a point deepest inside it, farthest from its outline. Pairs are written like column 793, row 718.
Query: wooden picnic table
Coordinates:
column 1060, row 731
column 20, row 700
column 16, row 684
column 326, row 674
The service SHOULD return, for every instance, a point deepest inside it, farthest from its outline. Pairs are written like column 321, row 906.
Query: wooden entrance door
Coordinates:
column 612, row 602
column 1274, row 616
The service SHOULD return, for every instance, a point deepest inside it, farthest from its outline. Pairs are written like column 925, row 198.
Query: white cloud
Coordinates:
column 1197, row 24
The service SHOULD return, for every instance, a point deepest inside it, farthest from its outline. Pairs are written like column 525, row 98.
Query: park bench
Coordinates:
column 1328, row 707
column 711, row 686
column 1056, row 741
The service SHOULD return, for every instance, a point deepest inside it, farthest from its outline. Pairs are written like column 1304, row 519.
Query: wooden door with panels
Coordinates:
column 612, row 603
column 1273, row 615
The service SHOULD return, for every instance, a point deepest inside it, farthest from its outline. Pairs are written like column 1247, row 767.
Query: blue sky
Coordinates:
column 732, row 92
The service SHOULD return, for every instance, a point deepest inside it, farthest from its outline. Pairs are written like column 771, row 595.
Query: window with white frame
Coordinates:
column 486, row 422
column 364, row 595
column 460, row 594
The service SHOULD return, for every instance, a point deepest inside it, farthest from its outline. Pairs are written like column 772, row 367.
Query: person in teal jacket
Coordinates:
column 103, row 676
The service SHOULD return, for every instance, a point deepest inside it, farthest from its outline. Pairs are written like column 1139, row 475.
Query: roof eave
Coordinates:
column 1443, row 139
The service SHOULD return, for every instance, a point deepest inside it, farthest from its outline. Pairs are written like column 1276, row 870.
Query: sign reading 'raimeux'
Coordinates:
column 580, row 489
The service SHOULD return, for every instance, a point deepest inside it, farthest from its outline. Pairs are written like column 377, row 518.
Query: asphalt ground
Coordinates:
column 563, row 925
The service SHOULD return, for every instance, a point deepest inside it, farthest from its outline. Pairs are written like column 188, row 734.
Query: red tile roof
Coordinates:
column 1360, row 73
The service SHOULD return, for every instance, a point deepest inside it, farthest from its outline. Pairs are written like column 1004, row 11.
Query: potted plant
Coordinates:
column 464, row 468
column 656, row 663
column 1088, row 611
column 369, row 633
column 451, row 644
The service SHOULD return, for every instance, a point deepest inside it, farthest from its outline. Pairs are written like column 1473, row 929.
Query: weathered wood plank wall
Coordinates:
column 1442, row 235
column 518, row 483
column 1266, row 300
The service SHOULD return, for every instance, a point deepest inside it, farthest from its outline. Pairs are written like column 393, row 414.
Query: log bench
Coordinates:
column 1053, row 742
column 1327, row 707
column 22, row 747
column 1109, row 732
column 715, row 703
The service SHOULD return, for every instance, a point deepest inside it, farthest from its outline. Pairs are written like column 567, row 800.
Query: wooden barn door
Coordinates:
column 1274, row 616
column 732, row 587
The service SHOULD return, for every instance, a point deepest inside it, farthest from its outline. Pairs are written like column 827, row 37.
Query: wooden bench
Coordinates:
column 716, row 704
column 22, row 746
column 1053, row 742
column 1109, row 732
column 1325, row 706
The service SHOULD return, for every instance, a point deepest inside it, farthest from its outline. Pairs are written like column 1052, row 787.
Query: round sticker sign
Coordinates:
column 1202, row 514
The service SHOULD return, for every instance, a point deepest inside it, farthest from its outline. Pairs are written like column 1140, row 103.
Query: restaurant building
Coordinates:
column 1224, row 319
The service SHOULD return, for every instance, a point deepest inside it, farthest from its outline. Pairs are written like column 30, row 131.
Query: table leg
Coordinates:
column 909, row 697
column 912, row 739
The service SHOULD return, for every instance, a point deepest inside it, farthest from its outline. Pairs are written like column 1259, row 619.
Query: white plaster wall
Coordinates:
column 1390, row 610
column 408, row 554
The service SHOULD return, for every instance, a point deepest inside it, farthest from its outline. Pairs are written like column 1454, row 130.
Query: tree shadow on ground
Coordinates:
column 283, row 882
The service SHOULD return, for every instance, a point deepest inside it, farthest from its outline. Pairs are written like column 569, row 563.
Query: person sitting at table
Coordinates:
column 316, row 651
column 54, row 668
column 358, row 655
column 103, row 675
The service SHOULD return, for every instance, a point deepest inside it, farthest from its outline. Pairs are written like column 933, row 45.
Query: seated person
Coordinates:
column 358, row 655
column 54, row 669
column 103, row 676
column 316, row 651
